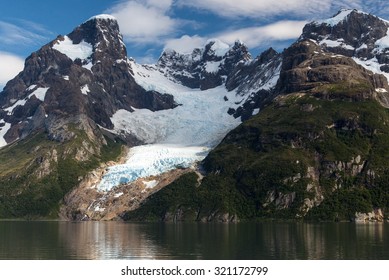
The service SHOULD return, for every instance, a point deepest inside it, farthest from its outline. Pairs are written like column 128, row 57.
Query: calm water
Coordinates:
column 116, row 240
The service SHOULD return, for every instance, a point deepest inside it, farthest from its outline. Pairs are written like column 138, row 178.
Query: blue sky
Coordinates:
column 149, row 26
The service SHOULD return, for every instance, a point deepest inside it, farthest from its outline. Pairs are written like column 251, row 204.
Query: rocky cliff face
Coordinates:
column 81, row 78
column 65, row 97
column 204, row 68
column 255, row 81
column 351, row 33
column 307, row 66
column 356, row 34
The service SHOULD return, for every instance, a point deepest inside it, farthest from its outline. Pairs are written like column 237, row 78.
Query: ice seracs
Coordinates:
column 150, row 160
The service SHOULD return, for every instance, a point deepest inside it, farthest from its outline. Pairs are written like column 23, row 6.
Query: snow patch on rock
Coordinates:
column 218, row 47
column 212, row 66
column 372, row 65
column 3, row 130
column 150, row 184
column 85, row 89
column 382, row 44
column 39, row 93
column 336, row 19
column 83, row 50
column 334, row 44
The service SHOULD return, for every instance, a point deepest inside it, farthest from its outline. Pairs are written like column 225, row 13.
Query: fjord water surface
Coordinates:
column 267, row 240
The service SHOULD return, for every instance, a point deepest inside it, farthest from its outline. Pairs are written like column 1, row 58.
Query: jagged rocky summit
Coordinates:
column 306, row 128
column 80, row 78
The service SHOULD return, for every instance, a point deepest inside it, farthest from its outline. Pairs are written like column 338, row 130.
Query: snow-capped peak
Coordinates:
column 366, row 38
column 337, row 18
column 218, row 47
column 102, row 17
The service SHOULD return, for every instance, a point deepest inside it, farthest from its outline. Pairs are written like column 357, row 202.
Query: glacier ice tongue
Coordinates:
column 176, row 138
column 148, row 160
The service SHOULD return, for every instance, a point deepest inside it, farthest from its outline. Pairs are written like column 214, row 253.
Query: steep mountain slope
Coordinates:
column 354, row 34
column 55, row 114
column 318, row 150
column 176, row 138
column 81, row 76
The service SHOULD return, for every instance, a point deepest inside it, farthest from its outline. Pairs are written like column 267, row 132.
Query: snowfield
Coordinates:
column 83, row 50
column 176, row 138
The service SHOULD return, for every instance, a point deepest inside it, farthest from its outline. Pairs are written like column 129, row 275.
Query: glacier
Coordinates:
column 175, row 138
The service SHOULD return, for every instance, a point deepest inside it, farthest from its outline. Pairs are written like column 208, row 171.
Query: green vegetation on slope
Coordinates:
column 260, row 170
column 34, row 178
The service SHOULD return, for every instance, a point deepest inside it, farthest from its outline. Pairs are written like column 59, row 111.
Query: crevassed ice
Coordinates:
column 148, row 160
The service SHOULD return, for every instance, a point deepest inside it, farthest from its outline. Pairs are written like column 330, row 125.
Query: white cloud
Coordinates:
column 10, row 66
column 253, row 37
column 161, row 4
column 258, row 9
column 256, row 36
column 185, row 44
column 26, row 34
column 312, row 9
column 144, row 21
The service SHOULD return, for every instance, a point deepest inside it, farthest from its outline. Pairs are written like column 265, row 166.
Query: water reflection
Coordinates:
column 116, row 240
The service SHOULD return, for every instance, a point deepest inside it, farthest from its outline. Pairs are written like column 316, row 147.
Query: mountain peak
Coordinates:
column 348, row 32
column 102, row 17
column 340, row 16
column 102, row 33
column 217, row 47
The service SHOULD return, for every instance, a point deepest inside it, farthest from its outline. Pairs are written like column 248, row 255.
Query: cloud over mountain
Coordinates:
column 144, row 21
column 10, row 66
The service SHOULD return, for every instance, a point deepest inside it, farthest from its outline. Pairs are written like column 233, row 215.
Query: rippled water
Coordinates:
column 267, row 240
